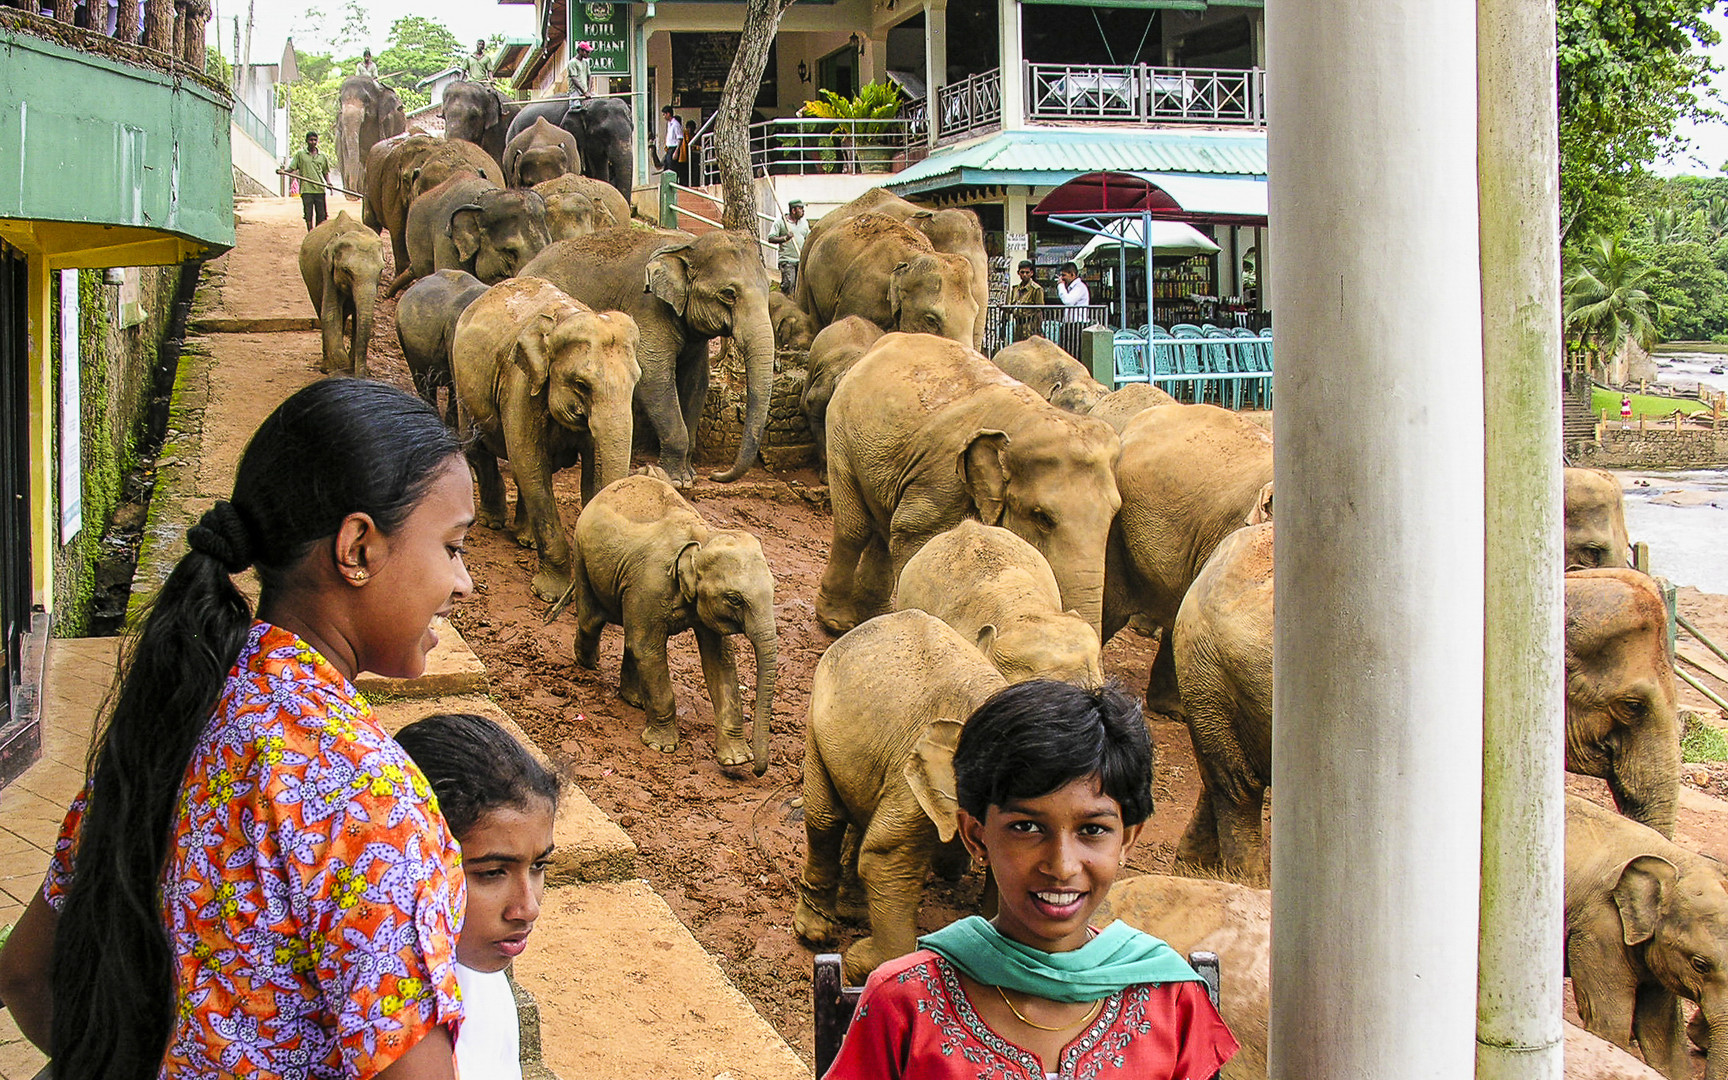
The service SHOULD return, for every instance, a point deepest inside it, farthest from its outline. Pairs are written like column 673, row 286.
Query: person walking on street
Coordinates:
column 368, row 66
column 1024, row 294
column 311, row 167
column 790, row 234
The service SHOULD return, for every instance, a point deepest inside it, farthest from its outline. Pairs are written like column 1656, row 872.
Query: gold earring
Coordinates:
column 359, row 575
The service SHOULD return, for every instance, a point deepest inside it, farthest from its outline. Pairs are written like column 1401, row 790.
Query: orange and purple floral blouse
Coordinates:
column 313, row 893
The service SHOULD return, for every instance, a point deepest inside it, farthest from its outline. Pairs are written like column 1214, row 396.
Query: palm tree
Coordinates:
column 1606, row 302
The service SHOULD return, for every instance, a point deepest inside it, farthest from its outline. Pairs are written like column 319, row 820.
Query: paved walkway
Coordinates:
column 623, row 989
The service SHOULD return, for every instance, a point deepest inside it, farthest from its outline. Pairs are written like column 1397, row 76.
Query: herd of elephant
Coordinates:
column 994, row 520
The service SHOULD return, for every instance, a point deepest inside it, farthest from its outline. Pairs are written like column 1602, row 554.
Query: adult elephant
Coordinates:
column 469, row 223
column 924, row 432
column 366, row 112
column 647, row 561
column 683, row 291
column 413, row 167
column 604, row 132
column 544, row 381
column 540, row 153
column 877, row 268
column 1189, row 475
column 833, row 352
column 1595, row 520
column 952, row 232
column 477, row 113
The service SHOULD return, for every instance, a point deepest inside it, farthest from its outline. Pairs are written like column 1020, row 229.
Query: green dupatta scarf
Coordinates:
column 1119, row 957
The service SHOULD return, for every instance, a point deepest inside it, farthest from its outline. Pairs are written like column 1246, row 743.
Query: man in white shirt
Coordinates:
column 674, row 136
column 1073, row 291
column 790, row 234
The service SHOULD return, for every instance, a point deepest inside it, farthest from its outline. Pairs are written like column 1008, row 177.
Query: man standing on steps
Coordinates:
column 312, row 168
column 790, row 234
column 672, row 143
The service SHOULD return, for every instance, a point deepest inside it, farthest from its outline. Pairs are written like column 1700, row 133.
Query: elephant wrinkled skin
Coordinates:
column 543, row 380
column 1126, row 402
column 367, row 111
column 833, row 351
column 469, row 223
column 416, row 164
column 341, row 262
column 1646, row 924
column 996, row 590
column 1622, row 721
column 874, row 266
column 683, row 291
column 540, row 153
column 647, row 561
column 426, row 325
column 1047, row 368
column 1595, row 520
column 887, row 703
column 923, row 432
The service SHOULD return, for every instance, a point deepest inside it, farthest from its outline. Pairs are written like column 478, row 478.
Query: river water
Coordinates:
column 1683, row 515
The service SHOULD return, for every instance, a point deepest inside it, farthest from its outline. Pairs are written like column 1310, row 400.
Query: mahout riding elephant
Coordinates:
column 541, row 152
column 953, row 232
column 366, row 111
column 1646, row 924
column 874, row 266
column 478, row 113
column 426, row 325
column 833, row 351
column 1047, row 368
column 1622, row 720
column 604, row 131
column 1126, row 402
column 922, row 432
column 341, row 262
column 412, row 167
column 1595, row 520
column 683, row 291
column 1235, row 922
column 1189, row 476
column 647, row 561
column 794, row 329
column 887, row 704
column 469, row 223
column 544, row 380
column 998, row 592
column 608, row 208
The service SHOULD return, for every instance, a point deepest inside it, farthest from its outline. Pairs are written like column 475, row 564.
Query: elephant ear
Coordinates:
column 531, row 352
column 986, row 638
column 464, row 231
column 984, row 472
column 684, row 571
column 894, row 277
column 930, row 775
column 1262, row 511
column 1639, row 894
column 669, row 276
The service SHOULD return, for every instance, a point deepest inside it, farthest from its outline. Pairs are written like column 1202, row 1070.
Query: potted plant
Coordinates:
column 861, row 129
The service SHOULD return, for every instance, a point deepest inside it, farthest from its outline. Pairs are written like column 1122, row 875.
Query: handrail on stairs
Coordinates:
column 1686, row 625
column 676, row 188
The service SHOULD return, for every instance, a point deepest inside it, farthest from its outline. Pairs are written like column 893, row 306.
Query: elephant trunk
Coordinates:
column 766, row 645
column 348, row 149
column 754, row 337
column 1644, row 778
column 1081, row 582
column 365, row 300
column 1716, row 1059
column 610, row 431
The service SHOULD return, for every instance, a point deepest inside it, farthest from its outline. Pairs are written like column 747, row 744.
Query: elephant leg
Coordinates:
column 525, row 443
column 892, row 867
column 1162, row 697
column 720, row 672
column 1199, row 845
column 1603, row 983
column 521, row 529
column 835, row 598
column 824, row 828
column 630, row 680
column 874, row 584
column 330, row 327
column 657, row 393
column 1239, row 838
column 491, row 512
column 655, row 682
column 854, row 905
column 693, row 384
column 590, row 621
column 1661, row 1035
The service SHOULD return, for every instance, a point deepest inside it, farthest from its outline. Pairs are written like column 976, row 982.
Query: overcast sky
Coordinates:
column 1709, row 140
column 273, row 22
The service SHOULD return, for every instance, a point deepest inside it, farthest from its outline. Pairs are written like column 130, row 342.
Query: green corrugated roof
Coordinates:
column 1041, row 156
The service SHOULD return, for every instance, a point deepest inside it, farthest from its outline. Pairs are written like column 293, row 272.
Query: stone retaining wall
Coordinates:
column 1669, row 449
column 786, row 442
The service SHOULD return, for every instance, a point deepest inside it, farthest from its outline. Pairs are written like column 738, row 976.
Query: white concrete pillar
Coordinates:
column 639, row 97
column 1379, row 560
column 935, row 60
column 1013, row 65
column 1518, row 1032
column 1014, row 224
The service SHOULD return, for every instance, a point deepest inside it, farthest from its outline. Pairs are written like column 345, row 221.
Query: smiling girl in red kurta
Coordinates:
column 1053, row 783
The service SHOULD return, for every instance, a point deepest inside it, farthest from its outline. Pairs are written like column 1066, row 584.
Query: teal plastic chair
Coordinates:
column 1130, row 357
column 1255, row 355
column 1189, row 362
column 1224, row 357
column 1163, row 360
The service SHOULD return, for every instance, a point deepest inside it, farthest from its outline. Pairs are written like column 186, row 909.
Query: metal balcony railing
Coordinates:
column 1140, row 93
column 797, row 145
column 255, row 126
column 972, row 105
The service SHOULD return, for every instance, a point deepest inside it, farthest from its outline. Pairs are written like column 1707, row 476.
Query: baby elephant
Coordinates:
column 887, row 704
column 794, row 329
column 997, row 590
column 342, row 262
column 1646, row 924
column 1047, row 368
column 426, row 325
column 647, row 561
column 832, row 353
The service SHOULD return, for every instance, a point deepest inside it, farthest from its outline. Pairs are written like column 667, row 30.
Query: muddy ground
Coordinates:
column 722, row 846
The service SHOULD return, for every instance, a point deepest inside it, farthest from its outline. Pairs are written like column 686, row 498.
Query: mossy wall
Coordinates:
column 114, row 377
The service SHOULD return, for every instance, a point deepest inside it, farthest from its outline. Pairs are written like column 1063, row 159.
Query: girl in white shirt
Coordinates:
column 499, row 803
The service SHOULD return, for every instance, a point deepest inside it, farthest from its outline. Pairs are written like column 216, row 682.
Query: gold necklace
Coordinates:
column 1099, row 1004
